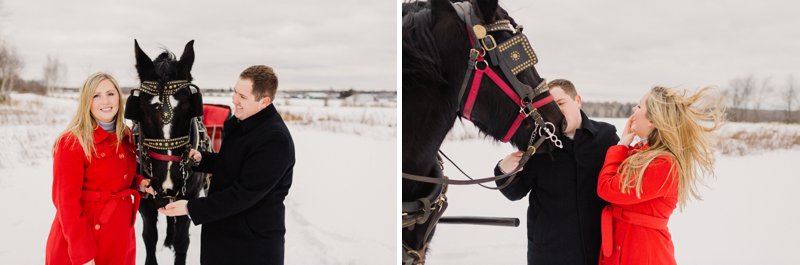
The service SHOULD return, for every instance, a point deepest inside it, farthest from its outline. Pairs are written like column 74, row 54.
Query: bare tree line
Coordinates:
column 10, row 66
column 12, row 63
column 748, row 96
column 748, row 99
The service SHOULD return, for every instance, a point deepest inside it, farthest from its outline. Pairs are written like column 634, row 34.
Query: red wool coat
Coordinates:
column 634, row 230
column 95, row 202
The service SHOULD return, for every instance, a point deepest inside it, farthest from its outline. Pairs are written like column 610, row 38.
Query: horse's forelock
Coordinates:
column 165, row 65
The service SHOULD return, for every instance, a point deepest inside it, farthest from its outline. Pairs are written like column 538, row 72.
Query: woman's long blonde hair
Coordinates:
column 83, row 124
column 683, row 125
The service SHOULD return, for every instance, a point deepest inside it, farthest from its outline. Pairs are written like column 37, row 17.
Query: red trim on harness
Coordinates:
column 476, row 83
column 514, row 127
column 165, row 158
column 542, row 102
column 504, row 86
column 473, row 94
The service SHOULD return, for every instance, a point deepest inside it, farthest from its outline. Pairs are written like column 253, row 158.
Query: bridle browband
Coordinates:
column 512, row 57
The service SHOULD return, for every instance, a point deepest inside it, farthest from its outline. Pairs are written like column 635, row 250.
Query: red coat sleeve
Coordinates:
column 68, row 174
column 137, row 180
column 656, row 181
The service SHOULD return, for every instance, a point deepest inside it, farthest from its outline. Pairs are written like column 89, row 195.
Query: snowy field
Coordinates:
column 748, row 214
column 340, row 210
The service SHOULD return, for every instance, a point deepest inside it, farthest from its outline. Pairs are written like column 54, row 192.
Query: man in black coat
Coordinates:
column 243, row 214
column 564, row 209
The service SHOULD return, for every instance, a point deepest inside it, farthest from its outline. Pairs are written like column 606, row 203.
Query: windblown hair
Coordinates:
column 683, row 132
column 82, row 125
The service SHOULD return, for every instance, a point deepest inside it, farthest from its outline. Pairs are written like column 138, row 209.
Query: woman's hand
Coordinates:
column 195, row 155
column 91, row 262
column 627, row 133
column 144, row 186
column 510, row 162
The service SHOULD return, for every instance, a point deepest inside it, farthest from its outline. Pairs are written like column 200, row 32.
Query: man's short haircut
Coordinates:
column 565, row 85
column 265, row 83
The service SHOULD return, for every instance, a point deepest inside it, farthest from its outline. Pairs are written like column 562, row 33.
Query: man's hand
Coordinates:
column 195, row 155
column 177, row 208
column 510, row 162
column 144, row 186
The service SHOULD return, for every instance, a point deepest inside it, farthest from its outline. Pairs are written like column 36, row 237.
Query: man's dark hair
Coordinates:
column 565, row 85
column 265, row 83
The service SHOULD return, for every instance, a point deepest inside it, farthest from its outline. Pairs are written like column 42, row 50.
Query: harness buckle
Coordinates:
column 474, row 54
column 531, row 149
column 526, row 109
column 492, row 42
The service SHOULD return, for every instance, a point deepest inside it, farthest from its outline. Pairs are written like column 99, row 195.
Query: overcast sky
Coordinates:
column 610, row 49
column 619, row 49
column 311, row 44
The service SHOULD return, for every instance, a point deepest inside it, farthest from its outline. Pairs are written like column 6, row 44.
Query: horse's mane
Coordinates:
column 420, row 55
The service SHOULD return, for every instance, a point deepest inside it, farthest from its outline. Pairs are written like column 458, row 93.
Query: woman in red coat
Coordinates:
column 645, row 184
column 94, row 176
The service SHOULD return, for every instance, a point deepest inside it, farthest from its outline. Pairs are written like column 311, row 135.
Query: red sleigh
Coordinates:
column 214, row 117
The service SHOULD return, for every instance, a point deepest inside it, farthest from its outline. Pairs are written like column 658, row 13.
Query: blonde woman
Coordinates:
column 644, row 184
column 94, row 176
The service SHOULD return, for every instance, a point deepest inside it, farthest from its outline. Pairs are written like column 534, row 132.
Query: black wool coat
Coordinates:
column 243, row 213
column 564, row 210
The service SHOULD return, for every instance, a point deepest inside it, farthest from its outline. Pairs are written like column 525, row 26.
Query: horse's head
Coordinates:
column 485, row 29
column 164, row 106
column 467, row 59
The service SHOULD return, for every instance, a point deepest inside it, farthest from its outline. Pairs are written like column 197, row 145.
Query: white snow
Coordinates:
column 340, row 209
column 748, row 215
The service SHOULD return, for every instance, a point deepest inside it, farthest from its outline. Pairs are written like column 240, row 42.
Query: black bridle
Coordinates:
column 145, row 146
column 511, row 57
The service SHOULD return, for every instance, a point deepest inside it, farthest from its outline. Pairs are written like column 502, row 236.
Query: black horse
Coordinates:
column 440, row 40
column 167, row 113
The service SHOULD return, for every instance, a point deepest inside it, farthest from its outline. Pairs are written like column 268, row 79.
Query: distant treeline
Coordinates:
column 624, row 110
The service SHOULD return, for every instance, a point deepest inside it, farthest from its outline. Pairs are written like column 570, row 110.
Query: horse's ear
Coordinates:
column 442, row 9
column 487, row 9
column 187, row 58
column 144, row 65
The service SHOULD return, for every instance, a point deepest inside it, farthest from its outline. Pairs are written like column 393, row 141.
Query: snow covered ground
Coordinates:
column 748, row 214
column 340, row 210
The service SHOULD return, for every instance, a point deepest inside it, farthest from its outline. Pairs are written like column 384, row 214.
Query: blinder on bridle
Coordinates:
column 170, row 88
column 512, row 56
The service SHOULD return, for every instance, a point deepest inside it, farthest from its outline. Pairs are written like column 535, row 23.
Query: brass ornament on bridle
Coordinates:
column 169, row 89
